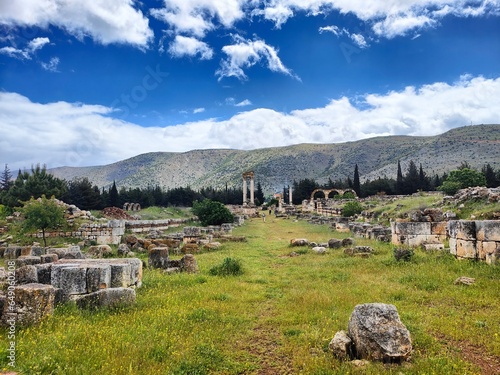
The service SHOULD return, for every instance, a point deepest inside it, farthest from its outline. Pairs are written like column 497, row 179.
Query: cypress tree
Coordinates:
column 356, row 184
column 399, row 180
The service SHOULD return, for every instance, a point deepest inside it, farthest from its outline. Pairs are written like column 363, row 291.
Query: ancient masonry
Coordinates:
column 249, row 175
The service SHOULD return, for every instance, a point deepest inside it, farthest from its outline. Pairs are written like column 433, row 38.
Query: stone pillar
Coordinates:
column 244, row 190
column 252, row 190
column 290, row 194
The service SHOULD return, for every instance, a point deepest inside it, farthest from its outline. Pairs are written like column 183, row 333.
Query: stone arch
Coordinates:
column 326, row 192
column 126, row 206
column 332, row 193
column 136, row 207
column 316, row 191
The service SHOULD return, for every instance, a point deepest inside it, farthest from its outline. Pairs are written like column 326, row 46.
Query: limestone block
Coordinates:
column 439, row 228
column 120, row 275
column 49, row 258
column 334, row 243
column 32, row 303
column 27, row 260
column 12, row 252
column 487, row 248
column 488, row 230
column 71, row 278
column 98, row 277
column 418, row 240
column 299, row 242
column 158, row 257
column 319, row 250
column 433, row 246
column 26, row 251
column 466, row 249
column 26, row 275
column 412, row 228
column 189, row 264
column 109, row 298
column 462, row 229
column 43, row 272
column 453, row 246
column 135, row 271
column 341, row 345
column 37, row 250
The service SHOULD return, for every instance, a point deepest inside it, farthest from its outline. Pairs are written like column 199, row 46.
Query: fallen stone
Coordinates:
column 348, row 242
column 299, row 242
column 32, row 303
column 108, row 298
column 26, row 275
column 158, row 257
column 319, row 250
column 44, row 273
column 48, row 258
column 98, row 277
column 188, row 264
column 27, row 260
column 464, row 280
column 334, row 243
column 378, row 333
column 71, row 278
column 341, row 345
column 120, row 275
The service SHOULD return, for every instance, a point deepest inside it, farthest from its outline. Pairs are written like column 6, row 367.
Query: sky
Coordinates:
column 85, row 83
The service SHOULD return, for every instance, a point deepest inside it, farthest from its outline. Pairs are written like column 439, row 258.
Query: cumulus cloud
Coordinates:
column 198, row 110
column 197, row 17
column 189, row 46
column 79, row 134
column 245, row 53
column 243, row 103
column 104, row 21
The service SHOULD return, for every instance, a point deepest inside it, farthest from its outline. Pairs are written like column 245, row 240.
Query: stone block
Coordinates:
column 27, row 260
column 60, row 252
column 433, row 246
column 135, row 271
column 44, row 272
column 26, row 251
column 98, row 277
column 466, row 249
column 49, row 258
column 120, row 275
column 334, row 243
column 12, row 252
column 462, row 229
column 412, row 228
column 488, row 230
column 453, row 246
column 487, row 248
column 37, row 251
column 71, row 278
column 419, row 240
column 189, row 264
column 158, row 257
column 32, row 303
column 108, row 298
column 439, row 228
column 26, row 275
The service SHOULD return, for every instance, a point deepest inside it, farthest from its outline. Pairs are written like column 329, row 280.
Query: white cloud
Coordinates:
column 52, row 65
column 189, row 46
column 105, row 21
column 245, row 53
column 197, row 17
column 198, row 110
column 27, row 52
column 358, row 39
column 332, row 29
column 78, row 134
column 243, row 103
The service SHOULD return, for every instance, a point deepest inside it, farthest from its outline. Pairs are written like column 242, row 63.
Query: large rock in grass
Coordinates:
column 342, row 346
column 299, row 242
column 334, row 243
column 32, row 302
column 378, row 333
column 188, row 264
column 158, row 257
column 110, row 298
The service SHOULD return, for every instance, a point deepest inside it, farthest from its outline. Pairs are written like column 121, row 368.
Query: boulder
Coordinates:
column 12, row 252
column 49, row 258
column 120, row 275
column 319, row 250
column 44, row 273
column 341, row 346
column 378, row 333
column 348, row 242
column 334, row 243
column 69, row 277
column 26, row 275
column 27, row 260
column 100, row 251
column 123, row 249
column 299, row 242
column 359, row 251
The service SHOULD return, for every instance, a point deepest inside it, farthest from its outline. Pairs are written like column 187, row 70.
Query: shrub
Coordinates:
column 212, row 213
column 403, row 253
column 351, row 209
column 229, row 267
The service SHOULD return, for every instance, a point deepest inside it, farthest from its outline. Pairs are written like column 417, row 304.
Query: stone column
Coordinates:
column 252, row 190
column 244, row 190
column 290, row 194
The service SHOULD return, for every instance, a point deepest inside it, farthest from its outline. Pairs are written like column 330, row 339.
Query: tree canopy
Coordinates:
column 212, row 213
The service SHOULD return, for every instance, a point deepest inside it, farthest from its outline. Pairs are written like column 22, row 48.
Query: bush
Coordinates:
column 351, row 209
column 229, row 267
column 404, row 254
column 212, row 213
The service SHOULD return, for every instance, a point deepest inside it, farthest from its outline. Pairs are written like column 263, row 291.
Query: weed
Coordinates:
column 229, row 267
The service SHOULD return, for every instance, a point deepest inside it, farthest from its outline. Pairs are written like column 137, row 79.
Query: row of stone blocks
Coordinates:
column 475, row 239
column 415, row 233
column 89, row 282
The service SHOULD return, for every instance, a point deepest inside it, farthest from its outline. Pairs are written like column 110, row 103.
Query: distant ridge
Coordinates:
column 274, row 167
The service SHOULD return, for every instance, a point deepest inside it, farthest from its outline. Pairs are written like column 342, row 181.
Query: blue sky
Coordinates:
column 94, row 82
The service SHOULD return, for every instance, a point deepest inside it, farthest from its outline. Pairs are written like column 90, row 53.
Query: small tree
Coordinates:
column 42, row 214
column 352, row 208
column 212, row 213
column 461, row 179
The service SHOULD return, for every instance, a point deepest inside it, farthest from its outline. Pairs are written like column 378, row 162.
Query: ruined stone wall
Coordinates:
column 475, row 239
column 418, row 233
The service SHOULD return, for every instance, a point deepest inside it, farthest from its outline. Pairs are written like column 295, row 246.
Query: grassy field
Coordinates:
column 278, row 317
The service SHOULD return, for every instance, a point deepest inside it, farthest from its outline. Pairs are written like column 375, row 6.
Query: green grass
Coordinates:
column 157, row 213
column 277, row 317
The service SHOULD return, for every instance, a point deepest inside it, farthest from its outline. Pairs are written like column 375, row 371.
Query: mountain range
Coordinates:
column 279, row 166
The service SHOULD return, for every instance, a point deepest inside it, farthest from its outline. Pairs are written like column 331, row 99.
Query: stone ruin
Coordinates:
column 37, row 279
column 479, row 240
column 131, row 206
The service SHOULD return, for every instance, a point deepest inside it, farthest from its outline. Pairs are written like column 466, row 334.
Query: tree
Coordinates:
column 6, row 179
column 352, row 208
column 399, row 180
column 34, row 184
column 424, row 182
column 490, row 176
column 462, row 178
column 356, row 184
column 259, row 194
column 113, row 196
column 82, row 194
column 411, row 179
column 42, row 214
column 212, row 213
